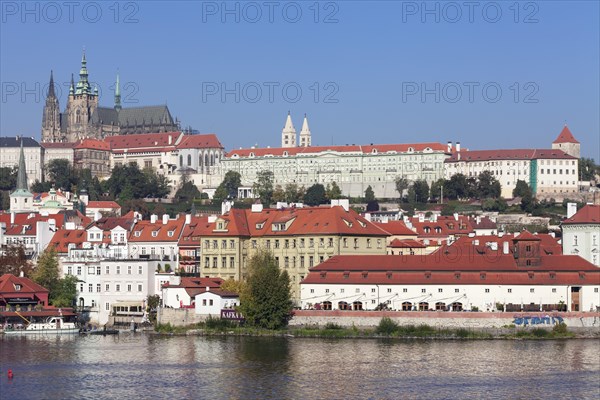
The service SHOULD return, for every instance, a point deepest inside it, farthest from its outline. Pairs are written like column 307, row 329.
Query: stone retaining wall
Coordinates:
column 179, row 316
column 476, row 320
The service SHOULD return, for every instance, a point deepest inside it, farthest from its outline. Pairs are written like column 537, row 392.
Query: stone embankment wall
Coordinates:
column 179, row 316
column 475, row 320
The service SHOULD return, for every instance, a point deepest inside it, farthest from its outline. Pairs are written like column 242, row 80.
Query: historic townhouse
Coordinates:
column 149, row 150
column 94, row 155
column 158, row 239
column 189, row 244
column 548, row 172
column 510, row 273
column 581, row 234
column 299, row 238
column 33, row 157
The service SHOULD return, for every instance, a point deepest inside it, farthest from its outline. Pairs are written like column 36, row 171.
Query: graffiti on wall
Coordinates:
column 537, row 320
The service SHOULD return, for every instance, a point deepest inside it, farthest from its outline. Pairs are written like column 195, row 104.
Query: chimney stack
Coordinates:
column 165, row 219
column 505, row 247
column 153, row 218
column 571, row 209
column 458, row 147
column 449, row 147
column 188, row 219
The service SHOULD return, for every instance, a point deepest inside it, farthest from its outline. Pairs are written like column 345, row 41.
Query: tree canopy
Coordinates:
column 265, row 300
column 62, row 291
column 315, row 195
column 401, row 185
column 263, row 187
column 333, row 191
column 418, row 192
column 129, row 182
column 228, row 188
column 369, row 194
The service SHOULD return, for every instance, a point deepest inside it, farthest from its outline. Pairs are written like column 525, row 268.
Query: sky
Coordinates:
column 487, row 74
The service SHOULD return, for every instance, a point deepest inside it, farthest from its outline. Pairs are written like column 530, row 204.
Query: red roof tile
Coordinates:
column 209, row 140
column 406, row 244
column 8, row 282
column 94, row 144
column 589, row 214
column 58, row 145
column 396, row 228
column 146, row 231
column 103, row 204
column 565, row 136
column 156, row 141
column 62, row 238
column 365, row 149
column 511, row 154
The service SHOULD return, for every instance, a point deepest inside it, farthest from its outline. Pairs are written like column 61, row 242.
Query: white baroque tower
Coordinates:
column 288, row 135
column 305, row 133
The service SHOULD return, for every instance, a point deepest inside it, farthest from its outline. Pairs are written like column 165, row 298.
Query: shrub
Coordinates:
column 539, row 332
column 386, row 326
column 218, row 323
column 560, row 329
column 332, row 325
column 462, row 333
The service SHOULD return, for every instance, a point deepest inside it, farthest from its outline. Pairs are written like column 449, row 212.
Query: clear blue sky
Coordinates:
column 370, row 59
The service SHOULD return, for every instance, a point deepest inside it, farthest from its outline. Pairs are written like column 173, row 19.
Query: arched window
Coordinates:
column 206, row 159
column 200, row 161
column 189, row 157
column 181, row 161
column 212, row 159
column 78, row 116
column 406, row 306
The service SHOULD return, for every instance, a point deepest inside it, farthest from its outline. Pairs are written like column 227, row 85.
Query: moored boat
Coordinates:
column 52, row 325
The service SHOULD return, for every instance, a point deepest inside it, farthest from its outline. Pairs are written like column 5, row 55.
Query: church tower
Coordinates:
column 51, row 117
column 305, row 133
column 567, row 143
column 83, row 101
column 21, row 200
column 288, row 135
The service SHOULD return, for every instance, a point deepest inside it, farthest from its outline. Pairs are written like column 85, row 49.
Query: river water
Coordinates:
column 142, row 366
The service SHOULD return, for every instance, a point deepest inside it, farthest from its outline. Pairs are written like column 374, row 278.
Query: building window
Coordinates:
column 232, row 244
column 440, row 290
column 223, row 262
column 487, row 290
column 117, row 288
column 139, row 287
column 456, row 290
column 532, row 290
column 301, row 261
column 423, row 291
column 98, row 270
column 90, row 288
column 509, row 290
column 107, row 306
column 107, row 288
column 70, row 270
column 129, row 287
column 140, row 270
column 215, row 262
column 553, row 290
column 118, row 270
column 129, row 270
column 311, row 261
column 79, row 270
column 312, row 290
column 372, row 290
column 98, row 288
column 107, row 270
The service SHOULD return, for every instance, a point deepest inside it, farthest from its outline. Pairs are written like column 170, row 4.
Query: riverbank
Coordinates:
column 387, row 328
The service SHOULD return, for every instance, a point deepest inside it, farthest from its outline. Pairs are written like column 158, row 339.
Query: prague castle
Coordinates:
column 85, row 118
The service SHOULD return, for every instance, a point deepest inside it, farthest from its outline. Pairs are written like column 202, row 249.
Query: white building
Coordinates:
column 158, row 239
column 10, row 148
column 581, row 234
column 211, row 302
column 181, row 291
column 511, row 276
column 58, row 151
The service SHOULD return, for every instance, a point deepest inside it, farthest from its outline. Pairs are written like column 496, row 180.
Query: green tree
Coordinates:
column 14, row 261
column 333, row 191
column 231, row 285
column 401, row 185
column 8, row 178
column 315, row 195
column 369, row 194
column 294, row 193
column 458, row 187
column 263, row 187
column 588, row 169
column 228, row 188
column 373, row 205
column 419, row 192
column 528, row 202
column 521, row 189
column 266, row 300
column 436, row 189
column 488, row 186
column 186, row 193
column 278, row 194
column 61, row 173
column 498, row 204
column 4, row 200
column 62, row 291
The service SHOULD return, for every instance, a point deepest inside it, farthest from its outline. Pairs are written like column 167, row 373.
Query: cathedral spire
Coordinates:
column 288, row 135
column 51, row 85
column 83, row 86
column 22, row 171
column 305, row 133
column 72, row 87
column 118, row 95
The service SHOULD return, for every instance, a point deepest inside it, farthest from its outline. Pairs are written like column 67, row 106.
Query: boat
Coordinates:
column 102, row 332
column 52, row 325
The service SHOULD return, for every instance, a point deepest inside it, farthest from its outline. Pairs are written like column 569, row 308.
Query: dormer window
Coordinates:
column 17, row 287
column 137, row 233
column 170, row 233
column 155, row 234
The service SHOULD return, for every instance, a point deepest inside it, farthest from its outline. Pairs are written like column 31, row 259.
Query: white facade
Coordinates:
column 353, row 168
column 104, row 283
column 211, row 303
column 483, row 297
column 9, row 157
column 582, row 240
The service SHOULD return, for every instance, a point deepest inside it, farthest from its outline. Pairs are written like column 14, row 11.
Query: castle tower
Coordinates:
column 21, row 200
column 305, row 133
column 51, row 116
column 288, row 135
column 82, row 102
column 567, row 143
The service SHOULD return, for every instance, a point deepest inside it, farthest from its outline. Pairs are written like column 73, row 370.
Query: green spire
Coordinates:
column 22, row 171
column 83, row 86
column 118, row 95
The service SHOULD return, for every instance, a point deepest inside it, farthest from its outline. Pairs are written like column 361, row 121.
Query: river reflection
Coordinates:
column 146, row 366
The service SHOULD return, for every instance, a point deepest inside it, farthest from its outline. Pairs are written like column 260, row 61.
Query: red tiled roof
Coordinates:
column 192, row 232
column 589, row 214
column 63, row 237
column 565, row 136
column 365, row 149
column 446, row 225
column 7, row 288
column 208, row 140
column 155, row 141
column 396, row 228
column 484, row 223
column 103, row 204
column 482, row 244
column 406, row 244
column 94, row 144
column 143, row 231
column 457, row 267
column 218, row 292
column 511, row 154
column 109, row 223
column 28, row 227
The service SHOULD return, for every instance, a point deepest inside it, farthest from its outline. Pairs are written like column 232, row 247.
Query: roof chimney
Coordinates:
column 97, row 215
column 165, row 218
column 153, row 218
column 256, row 208
column 505, row 248
column 208, row 288
column 458, row 147
column 571, row 209
column 449, row 146
column 170, row 139
column 456, row 216
column 188, row 219
column 12, row 217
